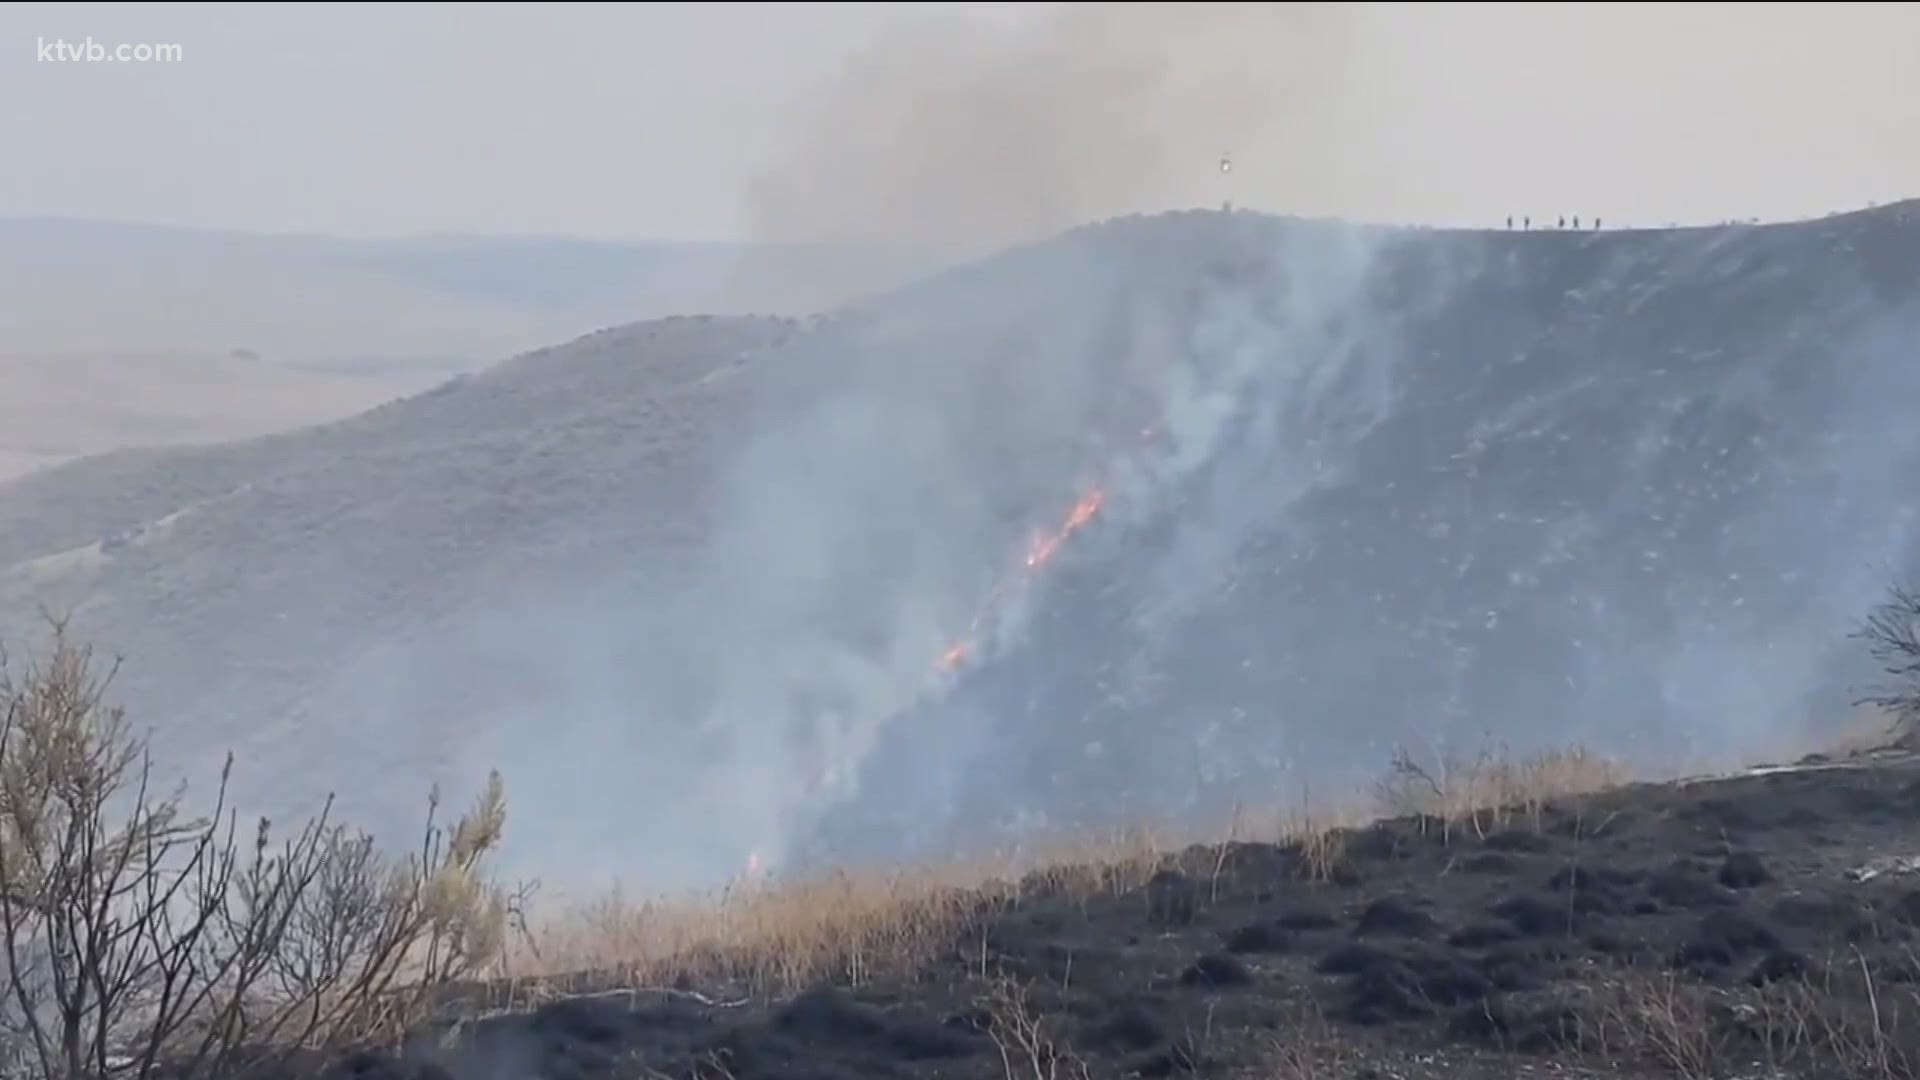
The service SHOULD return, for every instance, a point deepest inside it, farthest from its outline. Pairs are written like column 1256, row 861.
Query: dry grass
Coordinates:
column 1307, row 1048
column 852, row 927
column 1491, row 793
column 1659, row 1018
column 1079, row 867
column 845, row 927
column 1844, row 1022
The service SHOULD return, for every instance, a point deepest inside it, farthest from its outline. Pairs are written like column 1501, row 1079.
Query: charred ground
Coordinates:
column 1711, row 928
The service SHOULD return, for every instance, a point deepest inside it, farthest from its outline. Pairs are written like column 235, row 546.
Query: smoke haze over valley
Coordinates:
column 962, row 468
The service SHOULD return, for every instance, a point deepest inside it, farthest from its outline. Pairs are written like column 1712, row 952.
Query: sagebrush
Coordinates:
column 141, row 940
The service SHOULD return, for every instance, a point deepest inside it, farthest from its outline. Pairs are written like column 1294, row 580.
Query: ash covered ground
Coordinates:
column 1746, row 926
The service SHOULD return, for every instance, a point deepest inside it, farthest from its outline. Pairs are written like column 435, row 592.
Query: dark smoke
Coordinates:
column 970, row 135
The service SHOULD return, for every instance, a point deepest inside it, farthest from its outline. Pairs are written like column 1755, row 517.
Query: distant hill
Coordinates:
column 1329, row 489
column 431, row 304
column 54, row 408
column 117, row 336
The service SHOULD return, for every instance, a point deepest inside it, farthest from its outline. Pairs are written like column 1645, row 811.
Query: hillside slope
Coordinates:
column 1635, row 489
column 1329, row 489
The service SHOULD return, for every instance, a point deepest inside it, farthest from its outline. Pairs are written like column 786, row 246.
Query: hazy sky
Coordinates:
column 728, row 120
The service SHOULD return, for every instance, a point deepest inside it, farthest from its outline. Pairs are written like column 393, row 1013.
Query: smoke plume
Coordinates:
column 1494, row 559
column 879, row 511
column 970, row 134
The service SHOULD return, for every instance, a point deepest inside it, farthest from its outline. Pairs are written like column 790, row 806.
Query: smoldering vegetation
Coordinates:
column 1446, row 490
column 690, row 582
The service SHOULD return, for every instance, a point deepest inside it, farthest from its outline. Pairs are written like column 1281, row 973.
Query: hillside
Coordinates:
column 118, row 335
column 1338, row 489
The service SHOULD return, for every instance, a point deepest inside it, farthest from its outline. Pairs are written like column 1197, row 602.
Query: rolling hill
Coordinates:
column 117, row 335
column 54, row 408
column 423, row 306
column 1293, row 493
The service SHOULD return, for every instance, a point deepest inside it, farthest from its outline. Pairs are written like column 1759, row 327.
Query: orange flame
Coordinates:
column 1043, row 548
column 1084, row 510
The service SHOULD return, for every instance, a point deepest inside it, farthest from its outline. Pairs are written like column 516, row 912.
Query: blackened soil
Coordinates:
column 1713, row 927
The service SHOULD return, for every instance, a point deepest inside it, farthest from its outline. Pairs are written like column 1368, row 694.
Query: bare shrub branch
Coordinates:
column 139, row 941
column 1028, row 1047
column 1892, row 633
